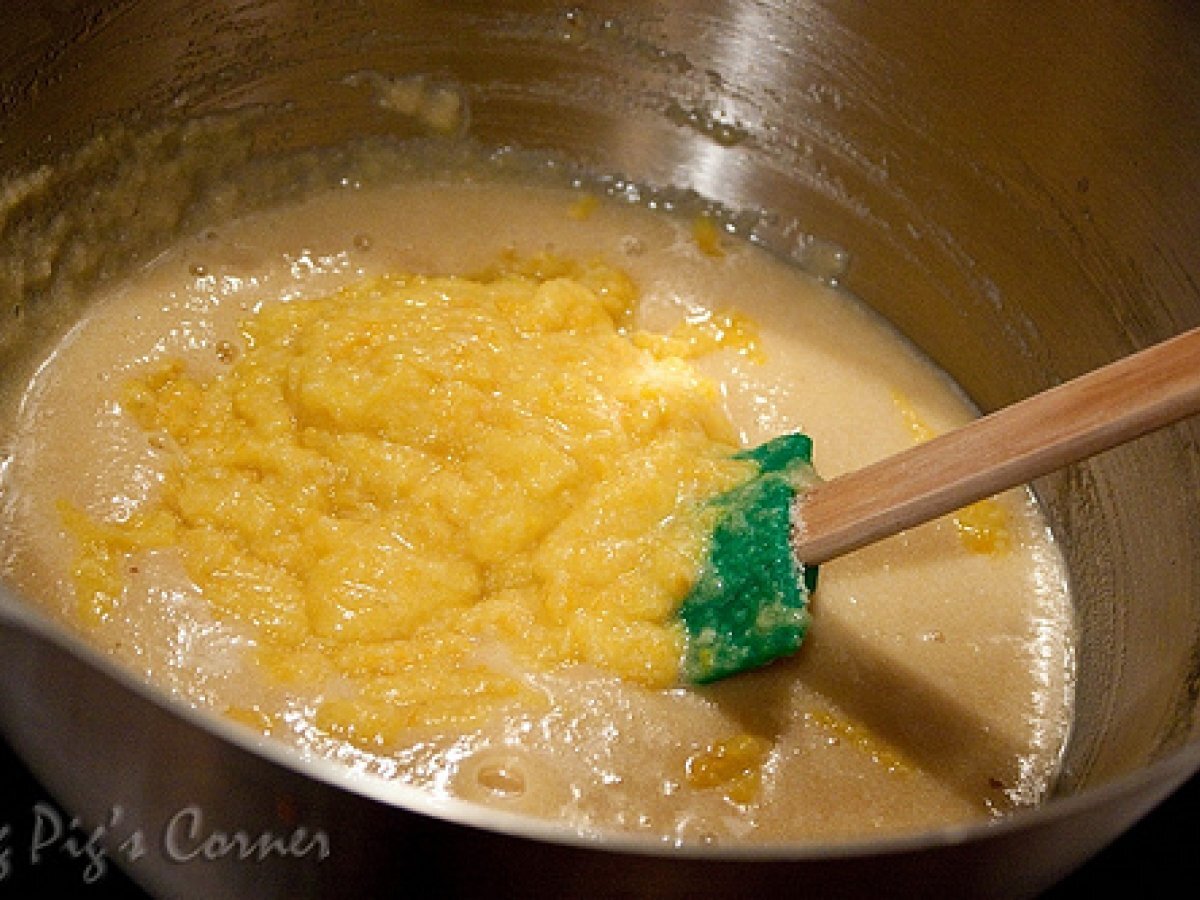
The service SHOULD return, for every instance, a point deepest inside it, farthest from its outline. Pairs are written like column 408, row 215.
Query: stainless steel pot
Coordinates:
column 1019, row 191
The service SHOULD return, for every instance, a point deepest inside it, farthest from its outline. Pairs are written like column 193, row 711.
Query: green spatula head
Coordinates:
column 750, row 604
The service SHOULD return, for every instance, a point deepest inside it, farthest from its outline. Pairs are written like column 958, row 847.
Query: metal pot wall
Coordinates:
column 1018, row 190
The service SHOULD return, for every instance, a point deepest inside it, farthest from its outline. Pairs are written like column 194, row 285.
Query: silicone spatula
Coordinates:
column 750, row 603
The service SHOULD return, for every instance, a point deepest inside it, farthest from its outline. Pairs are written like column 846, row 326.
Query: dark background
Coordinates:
column 1160, row 857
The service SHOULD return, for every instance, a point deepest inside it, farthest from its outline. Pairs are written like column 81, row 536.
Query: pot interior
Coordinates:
column 1016, row 198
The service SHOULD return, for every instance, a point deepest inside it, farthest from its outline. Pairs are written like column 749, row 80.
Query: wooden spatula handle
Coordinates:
column 1094, row 412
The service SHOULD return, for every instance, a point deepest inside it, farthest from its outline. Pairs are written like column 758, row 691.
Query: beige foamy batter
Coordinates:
column 935, row 684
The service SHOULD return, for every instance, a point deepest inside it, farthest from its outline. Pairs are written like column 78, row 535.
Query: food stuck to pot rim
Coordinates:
column 424, row 477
